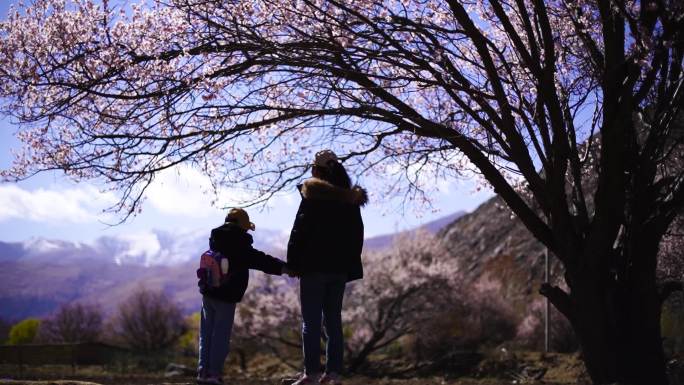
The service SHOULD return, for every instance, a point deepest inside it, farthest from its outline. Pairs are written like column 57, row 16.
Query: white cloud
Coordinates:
column 143, row 247
column 41, row 245
column 73, row 205
column 186, row 191
column 155, row 247
column 180, row 191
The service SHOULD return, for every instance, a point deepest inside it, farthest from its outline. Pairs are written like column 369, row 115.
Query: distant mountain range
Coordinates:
column 491, row 246
column 382, row 241
column 38, row 275
column 155, row 248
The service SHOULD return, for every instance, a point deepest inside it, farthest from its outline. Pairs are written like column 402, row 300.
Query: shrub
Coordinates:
column 24, row 332
column 148, row 321
column 404, row 287
column 672, row 324
column 189, row 341
column 268, row 320
column 72, row 323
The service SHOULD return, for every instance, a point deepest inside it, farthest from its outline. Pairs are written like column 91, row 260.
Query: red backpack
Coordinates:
column 213, row 270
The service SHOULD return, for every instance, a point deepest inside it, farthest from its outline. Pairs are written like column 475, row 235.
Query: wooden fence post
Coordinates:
column 547, row 335
column 21, row 361
column 73, row 360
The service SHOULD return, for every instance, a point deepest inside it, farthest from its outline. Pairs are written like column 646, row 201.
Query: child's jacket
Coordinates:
column 236, row 245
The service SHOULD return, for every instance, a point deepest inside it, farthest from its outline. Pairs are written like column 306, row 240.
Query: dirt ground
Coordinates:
column 233, row 381
column 139, row 379
column 519, row 368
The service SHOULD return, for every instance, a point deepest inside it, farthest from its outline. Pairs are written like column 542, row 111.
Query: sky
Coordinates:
column 51, row 206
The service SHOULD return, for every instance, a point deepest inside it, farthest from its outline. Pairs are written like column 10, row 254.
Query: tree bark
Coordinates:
column 615, row 349
column 593, row 321
column 617, row 321
column 645, row 363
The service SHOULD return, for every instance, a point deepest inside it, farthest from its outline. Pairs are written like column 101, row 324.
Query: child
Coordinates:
column 218, row 303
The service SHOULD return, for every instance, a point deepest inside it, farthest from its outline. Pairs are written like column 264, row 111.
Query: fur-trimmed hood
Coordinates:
column 318, row 189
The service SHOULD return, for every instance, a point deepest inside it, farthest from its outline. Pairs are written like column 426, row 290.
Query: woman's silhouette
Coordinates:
column 325, row 248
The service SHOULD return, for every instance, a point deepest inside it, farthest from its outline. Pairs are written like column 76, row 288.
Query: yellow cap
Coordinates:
column 240, row 217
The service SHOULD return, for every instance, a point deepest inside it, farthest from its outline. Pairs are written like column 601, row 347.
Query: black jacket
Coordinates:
column 236, row 245
column 327, row 235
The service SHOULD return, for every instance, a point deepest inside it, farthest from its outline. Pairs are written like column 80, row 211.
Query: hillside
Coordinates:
column 490, row 244
column 496, row 252
column 31, row 288
column 38, row 275
column 382, row 241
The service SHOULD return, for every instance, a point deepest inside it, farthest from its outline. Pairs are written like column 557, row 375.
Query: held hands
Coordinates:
column 290, row 272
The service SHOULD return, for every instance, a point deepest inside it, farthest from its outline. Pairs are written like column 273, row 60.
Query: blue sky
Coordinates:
column 51, row 206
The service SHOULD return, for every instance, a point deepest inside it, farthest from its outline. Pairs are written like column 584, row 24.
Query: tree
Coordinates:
column 24, row 332
column 73, row 323
column 189, row 341
column 403, row 288
column 670, row 271
column 670, row 268
column 246, row 90
column 269, row 317
column 149, row 321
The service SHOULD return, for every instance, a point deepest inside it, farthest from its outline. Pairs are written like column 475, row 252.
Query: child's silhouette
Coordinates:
column 234, row 243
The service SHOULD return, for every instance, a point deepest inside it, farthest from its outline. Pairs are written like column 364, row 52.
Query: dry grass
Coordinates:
column 252, row 381
column 560, row 369
column 21, row 382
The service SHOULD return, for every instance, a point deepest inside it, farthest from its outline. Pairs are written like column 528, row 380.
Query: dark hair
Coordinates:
column 334, row 174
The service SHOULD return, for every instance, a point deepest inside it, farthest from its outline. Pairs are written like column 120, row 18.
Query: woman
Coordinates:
column 325, row 248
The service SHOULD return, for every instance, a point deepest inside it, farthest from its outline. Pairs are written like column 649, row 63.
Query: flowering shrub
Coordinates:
column 403, row 288
column 413, row 297
column 72, row 323
column 148, row 321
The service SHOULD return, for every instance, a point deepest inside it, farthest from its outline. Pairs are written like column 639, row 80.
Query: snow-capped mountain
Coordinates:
column 37, row 275
column 155, row 248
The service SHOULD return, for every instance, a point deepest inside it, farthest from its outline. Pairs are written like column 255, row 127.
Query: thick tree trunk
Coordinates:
column 592, row 323
column 617, row 321
column 646, row 364
column 618, row 344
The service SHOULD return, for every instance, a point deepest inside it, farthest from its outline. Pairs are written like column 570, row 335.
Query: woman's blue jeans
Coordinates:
column 321, row 297
column 216, row 324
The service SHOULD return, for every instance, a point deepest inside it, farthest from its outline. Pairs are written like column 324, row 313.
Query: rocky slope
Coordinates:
column 493, row 247
column 383, row 241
